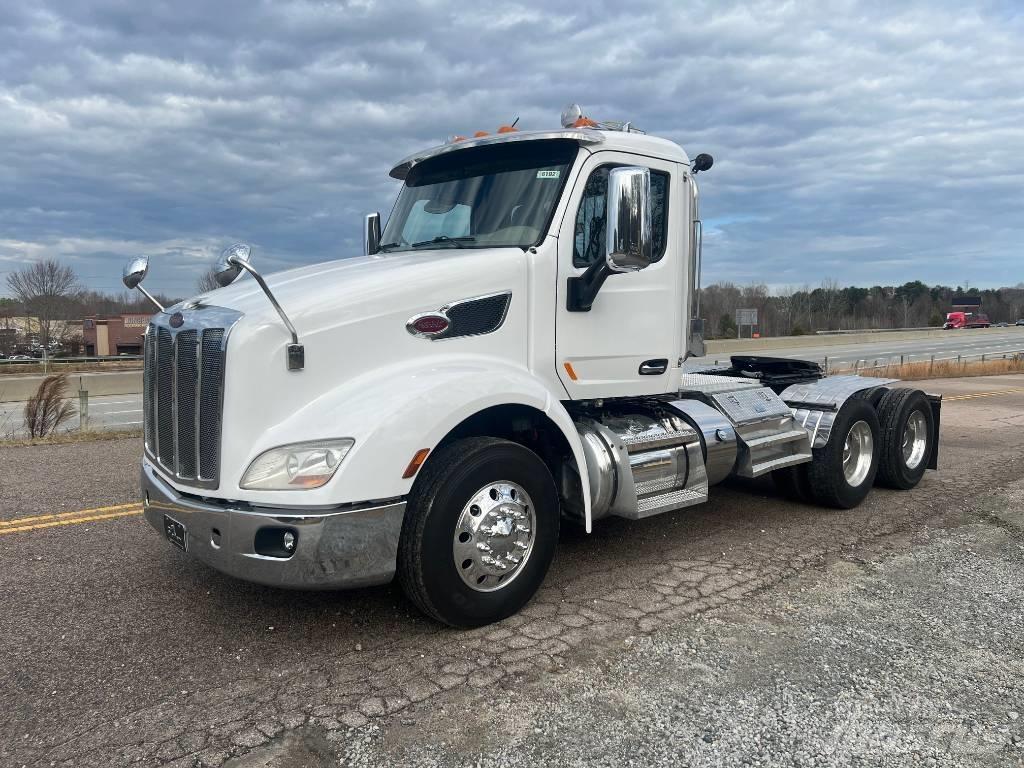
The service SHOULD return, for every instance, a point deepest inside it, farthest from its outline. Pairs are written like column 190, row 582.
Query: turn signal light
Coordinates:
column 416, row 463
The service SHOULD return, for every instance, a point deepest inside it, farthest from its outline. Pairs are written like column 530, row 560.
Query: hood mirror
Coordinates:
column 230, row 265
column 135, row 272
column 133, row 275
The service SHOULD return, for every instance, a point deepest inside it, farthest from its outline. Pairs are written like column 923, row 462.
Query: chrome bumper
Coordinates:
column 335, row 548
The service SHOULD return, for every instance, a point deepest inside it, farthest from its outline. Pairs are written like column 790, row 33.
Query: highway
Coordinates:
column 978, row 341
column 112, row 412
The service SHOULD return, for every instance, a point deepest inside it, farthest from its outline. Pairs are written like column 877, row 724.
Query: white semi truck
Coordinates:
column 507, row 356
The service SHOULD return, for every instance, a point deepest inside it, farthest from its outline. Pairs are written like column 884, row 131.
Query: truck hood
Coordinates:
column 331, row 293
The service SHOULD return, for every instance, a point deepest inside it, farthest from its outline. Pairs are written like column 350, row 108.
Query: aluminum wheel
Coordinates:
column 915, row 440
column 858, row 453
column 494, row 536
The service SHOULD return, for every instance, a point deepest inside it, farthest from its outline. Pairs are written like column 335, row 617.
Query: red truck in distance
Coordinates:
column 966, row 320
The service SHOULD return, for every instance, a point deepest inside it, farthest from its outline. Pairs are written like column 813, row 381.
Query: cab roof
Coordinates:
column 621, row 140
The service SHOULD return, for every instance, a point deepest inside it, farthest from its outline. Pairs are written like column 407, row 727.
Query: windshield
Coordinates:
column 484, row 197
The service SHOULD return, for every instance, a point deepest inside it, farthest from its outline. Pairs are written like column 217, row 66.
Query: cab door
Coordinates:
column 628, row 343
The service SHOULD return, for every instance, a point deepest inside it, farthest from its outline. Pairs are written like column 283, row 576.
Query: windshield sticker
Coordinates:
column 548, row 174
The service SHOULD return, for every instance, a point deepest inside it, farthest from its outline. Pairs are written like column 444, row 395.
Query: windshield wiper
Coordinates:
column 456, row 241
column 387, row 246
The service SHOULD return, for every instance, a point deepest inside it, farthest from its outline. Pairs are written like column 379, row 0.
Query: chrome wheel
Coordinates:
column 915, row 440
column 858, row 453
column 494, row 536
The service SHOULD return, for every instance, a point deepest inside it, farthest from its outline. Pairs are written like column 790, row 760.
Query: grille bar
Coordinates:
column 187, row 379
column 183, row 386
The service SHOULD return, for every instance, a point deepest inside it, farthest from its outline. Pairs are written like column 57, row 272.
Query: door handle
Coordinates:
column 653, row 367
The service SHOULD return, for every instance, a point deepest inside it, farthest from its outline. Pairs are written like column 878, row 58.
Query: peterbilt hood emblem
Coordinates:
column 429, row 325
column 177, row 320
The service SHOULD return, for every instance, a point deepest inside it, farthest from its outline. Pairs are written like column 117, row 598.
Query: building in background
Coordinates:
column 115, row 335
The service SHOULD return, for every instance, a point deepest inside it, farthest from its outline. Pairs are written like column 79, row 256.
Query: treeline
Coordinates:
column 795, row 311
column 85, row 304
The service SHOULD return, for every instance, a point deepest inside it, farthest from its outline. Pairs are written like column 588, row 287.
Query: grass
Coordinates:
column 55, row 366
column 78, row 436
column 946, row 369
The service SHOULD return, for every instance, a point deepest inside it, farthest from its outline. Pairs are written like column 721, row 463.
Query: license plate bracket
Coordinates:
column 176, row 533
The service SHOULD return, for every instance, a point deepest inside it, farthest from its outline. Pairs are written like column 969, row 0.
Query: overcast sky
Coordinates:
column 869, row 143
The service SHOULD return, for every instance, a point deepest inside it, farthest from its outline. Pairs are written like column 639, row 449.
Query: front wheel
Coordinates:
column 480, row 531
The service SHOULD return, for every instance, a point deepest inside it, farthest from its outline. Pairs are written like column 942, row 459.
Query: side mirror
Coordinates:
column 628, row 219
column 371, row 238
column 229, row 267
column 135, row 272
column 702, row 162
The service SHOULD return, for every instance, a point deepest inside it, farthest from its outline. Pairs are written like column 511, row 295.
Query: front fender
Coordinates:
column 393, row 412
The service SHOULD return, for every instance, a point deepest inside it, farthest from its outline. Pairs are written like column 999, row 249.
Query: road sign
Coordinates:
column 746, row 317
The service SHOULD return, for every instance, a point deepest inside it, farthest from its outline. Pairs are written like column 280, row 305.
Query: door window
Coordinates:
column 588, row 246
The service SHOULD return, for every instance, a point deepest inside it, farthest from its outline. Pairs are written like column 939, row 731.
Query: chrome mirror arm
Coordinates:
column 266, row 289
column 149, row 296
column 295, row 351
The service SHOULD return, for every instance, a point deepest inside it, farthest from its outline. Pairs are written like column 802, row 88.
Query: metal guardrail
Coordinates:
column 897, row 360
column 876, row 330
column 71, row 360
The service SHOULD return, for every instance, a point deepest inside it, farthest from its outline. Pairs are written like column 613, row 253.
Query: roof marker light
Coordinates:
column 480, row 134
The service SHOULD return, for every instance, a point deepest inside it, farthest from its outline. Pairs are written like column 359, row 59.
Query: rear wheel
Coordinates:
column 907, row 427
column 843, row 470
column 791, row 482
column 480, row 531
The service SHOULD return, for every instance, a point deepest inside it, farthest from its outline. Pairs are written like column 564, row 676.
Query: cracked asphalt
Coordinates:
column 749, row 631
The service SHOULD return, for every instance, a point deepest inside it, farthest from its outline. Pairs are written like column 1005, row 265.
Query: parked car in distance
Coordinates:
column 1002, row 325
column 1021, row 321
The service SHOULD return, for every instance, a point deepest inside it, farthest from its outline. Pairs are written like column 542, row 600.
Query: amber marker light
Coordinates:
column 569, row 369
column 416, row 463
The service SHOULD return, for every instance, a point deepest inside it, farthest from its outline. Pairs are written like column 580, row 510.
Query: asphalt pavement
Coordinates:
column 747, row 631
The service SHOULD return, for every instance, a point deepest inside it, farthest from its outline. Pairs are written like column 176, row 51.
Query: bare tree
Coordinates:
column 207, row 281
column 45, row 289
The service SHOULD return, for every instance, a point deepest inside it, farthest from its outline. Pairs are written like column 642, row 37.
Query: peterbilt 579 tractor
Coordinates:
column 508, row 356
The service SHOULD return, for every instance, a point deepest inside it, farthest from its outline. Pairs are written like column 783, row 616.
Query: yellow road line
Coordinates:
column 21, row 521
column 71, row 521
column 972, row 395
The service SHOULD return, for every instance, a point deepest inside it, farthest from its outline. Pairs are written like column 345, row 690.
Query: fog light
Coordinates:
column 276, row 542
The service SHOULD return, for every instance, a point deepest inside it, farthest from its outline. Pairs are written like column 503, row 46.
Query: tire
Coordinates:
column 791, row 483
column 826, row 478
column 896, row 410
column 439, row 517
column 871, row 394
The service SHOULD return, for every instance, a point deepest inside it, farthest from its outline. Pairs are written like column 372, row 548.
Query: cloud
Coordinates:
column 865, row 142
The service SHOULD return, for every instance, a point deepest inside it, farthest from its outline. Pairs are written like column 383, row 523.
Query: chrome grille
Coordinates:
column 183, row 384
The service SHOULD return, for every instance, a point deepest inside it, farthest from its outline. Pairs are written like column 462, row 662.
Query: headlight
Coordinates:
column 296, row 466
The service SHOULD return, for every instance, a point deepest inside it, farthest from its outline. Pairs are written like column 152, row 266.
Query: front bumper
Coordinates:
column 351, row 546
